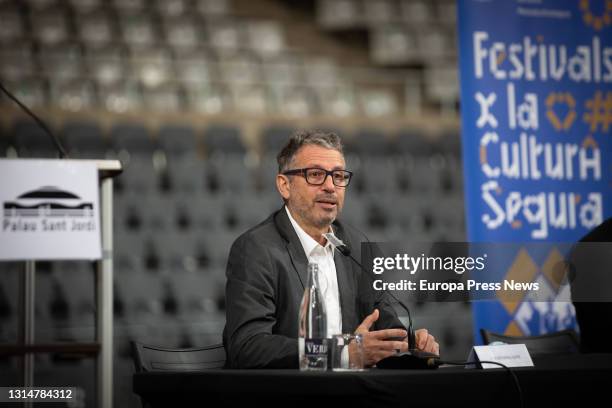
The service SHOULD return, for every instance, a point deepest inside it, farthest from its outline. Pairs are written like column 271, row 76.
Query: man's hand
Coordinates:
column 375, row 345
column 426, row 342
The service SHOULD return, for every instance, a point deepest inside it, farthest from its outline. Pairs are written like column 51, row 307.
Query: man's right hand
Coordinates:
column 375, row 344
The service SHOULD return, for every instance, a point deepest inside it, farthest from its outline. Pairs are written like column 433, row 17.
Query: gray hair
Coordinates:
column 300, row 138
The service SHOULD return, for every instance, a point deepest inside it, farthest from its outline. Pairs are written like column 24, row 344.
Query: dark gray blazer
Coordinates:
column 266, row 275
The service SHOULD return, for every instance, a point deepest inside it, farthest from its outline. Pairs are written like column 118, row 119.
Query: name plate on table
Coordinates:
column 50, row 210
column 510, row 355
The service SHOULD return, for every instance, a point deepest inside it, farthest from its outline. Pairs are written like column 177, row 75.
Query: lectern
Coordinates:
column 50, row 206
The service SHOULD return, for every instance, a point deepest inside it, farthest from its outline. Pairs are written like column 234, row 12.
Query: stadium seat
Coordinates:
column 84, row 139
column 274, row 138
column 163, row 99
column 129, row 6
column 177, row 141
column 32, row 141
column 128, row 251
column 139, row 176
column 6, row 142
column 150, row 358
column 13, row 27
column 173, row 8
column 186, row 175
column 282, row 69
column 224, row 34
column 182, row 33
column 143, row 295
column 9, row 293
column 240, row 69
column 84, row 6
column 412, row 143
column 378, row 103
column 367, row 142
column 133, row 138
column 416, row 11
column 151, row 66
column 197, row 296
column 176, row 253
column 354, row 211
column 377, row 175
column 62, row 62
column 17, row 63
column 380, row 11
column 106, row 66
column 195, row 69
column 119, row 96
column 50, row 26
column 212, row 8
column 230, row 174
column 565, row 341
column 138, row 29
column 223, row 140
column 265, row 37
column 95, row 28
column 207, row 210
column 425, row 178
column 250, row 99
column 208, row 98
column 334, row 14
column 78, row 282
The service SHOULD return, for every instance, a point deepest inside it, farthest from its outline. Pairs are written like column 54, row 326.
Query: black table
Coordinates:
column 561, row 380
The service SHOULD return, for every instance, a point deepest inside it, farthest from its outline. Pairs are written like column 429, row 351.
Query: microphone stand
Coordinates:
column 413, row 358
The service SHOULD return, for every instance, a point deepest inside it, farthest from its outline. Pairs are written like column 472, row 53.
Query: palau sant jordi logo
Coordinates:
column 49, row 209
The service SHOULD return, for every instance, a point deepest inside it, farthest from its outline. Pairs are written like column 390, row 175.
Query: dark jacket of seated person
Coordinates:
column 593, row 275
column 266, row 276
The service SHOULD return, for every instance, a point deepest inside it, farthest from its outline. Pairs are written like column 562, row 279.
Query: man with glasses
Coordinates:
column 267, row 267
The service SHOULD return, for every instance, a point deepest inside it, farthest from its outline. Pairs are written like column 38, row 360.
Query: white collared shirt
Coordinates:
column 324, row 257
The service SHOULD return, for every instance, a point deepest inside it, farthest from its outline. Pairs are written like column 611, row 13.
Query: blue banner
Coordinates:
column 536, row 100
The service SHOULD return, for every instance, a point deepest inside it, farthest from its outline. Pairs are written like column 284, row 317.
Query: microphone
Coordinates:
column 58, row 145
column 413, row 358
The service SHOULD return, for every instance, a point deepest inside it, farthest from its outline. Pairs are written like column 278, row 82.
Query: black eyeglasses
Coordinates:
column 317, row 177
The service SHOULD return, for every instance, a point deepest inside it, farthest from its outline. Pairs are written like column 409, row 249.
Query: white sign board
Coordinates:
column 50, row 210
column 510, row 355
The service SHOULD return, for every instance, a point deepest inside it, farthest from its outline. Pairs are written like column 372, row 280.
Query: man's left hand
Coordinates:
column 426, row 342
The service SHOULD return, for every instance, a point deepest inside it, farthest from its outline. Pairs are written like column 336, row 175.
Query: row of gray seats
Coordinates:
column 67, row 301
column 233, row 174
column 236, row 212
column 88, row 139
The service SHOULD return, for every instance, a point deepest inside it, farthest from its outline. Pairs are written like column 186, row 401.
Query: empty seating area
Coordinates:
column 201, row 56
column 418, row 33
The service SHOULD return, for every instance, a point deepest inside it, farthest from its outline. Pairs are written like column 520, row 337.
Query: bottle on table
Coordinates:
column 312, row 336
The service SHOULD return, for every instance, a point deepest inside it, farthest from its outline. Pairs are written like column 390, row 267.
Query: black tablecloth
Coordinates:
column 555, row 380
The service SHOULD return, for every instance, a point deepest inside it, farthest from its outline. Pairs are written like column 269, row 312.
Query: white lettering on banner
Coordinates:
column 480, row 53
column 524, row 114
column 585, row 63
column 542, row 210
column 528, row 159
column 489, row 137
column 521, row 156
column 486, row 117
